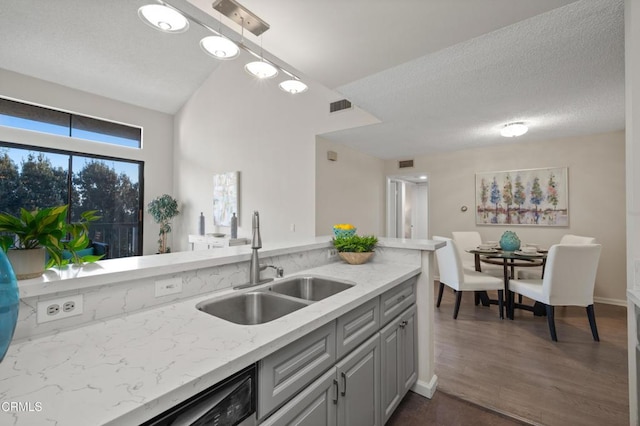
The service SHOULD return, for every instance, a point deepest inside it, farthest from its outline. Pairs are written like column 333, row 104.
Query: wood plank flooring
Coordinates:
column 513, row 367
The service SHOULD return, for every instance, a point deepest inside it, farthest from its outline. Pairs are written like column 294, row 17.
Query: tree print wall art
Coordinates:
column 523, row 197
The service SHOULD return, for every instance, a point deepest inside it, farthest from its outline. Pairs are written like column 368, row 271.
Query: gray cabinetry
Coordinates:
column 396, row 300
column 346, row 395
column 398, row 357
column 356, row 326
column 314, row 406
column 359, row 386
column 285, row 372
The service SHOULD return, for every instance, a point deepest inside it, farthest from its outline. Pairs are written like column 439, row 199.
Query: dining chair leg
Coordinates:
column 457, row 307
column 552, row 322
column 520, row 299
column 501, row 303
column 476, row 295
column 592, row 322
column 440, row 291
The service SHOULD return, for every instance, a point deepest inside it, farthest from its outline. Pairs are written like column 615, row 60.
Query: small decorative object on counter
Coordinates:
column 9, row 302
column 234, row 226
column 344, row 230
column 355, row 249
column 509, row 241
column 201, row 227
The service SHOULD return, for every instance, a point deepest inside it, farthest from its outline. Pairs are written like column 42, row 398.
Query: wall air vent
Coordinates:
column 403, row 164
column 339, row 105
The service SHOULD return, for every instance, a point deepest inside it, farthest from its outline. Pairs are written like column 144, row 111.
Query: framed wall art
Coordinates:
column 538, row 197
column 225, row 197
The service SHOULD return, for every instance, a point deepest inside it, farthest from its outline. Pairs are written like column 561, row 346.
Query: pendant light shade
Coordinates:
column 293, row 86
column 163, row 18
column 220, row 47
column 261, row 69
column 512, row 130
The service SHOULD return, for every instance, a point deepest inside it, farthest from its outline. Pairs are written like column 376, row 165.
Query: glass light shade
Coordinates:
column 293, row 86
column 219, row 47
column 512, row 130
column 163, row 18
column 261, row 69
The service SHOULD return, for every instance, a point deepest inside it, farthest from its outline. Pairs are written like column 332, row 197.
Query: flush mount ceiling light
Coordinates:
column 220, row 47
column 293, row 86
column 512, row 130
column 261, row 69
column 163, row 18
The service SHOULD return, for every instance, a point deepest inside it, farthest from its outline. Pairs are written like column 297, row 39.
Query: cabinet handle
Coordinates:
column 335, row 383
column 403, row 324
column 344, row 384
column 401, row 298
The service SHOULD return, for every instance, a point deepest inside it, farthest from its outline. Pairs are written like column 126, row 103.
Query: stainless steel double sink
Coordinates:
column 273, row 301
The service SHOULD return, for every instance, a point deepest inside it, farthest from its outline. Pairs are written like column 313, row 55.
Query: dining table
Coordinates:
column 510, row 260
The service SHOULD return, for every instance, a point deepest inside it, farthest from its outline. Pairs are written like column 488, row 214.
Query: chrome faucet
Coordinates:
column 256, row 267
column 256, row 243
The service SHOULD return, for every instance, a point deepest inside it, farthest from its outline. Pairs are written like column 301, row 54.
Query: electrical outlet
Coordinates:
column 168, row 286
column 62, row 307
column 332, row 254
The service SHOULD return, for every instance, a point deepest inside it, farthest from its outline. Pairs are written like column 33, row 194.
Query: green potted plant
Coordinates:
column 163, row 209
column 355, row 249
column 31, row 235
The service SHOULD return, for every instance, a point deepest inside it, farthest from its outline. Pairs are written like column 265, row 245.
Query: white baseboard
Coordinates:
column 426, row 389
column 609, row 301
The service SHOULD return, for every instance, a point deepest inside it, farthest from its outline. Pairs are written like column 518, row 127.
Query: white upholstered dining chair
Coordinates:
column 452, row 274
column 569, row 280
column 533, row 273
column 472, row 239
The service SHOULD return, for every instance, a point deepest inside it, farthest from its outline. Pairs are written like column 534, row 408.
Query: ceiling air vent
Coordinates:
column 403, row 164
column 339, row 105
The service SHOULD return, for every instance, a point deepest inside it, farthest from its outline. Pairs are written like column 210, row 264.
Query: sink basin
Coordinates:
column 251, row 308
column 309, row 288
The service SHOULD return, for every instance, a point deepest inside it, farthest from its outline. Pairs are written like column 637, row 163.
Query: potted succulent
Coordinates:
column 31, row 235
column 355, row 249
column 163, row 209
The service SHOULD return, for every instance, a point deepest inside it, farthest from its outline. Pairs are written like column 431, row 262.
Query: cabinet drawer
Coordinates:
column 285, row 372
column 396, row 300
column 356, row 326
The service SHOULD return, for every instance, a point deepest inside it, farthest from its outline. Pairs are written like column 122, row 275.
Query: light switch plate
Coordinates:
column 168, row 286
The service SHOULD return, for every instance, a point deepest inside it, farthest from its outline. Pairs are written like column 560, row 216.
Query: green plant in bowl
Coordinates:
column 355, row 243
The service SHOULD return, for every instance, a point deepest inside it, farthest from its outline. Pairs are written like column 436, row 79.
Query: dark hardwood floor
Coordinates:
column 498, row 372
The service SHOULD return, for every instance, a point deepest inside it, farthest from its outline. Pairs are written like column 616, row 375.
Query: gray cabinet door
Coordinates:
column 390, row 356
column 398, row 360
column 409, row 339
column 285, row 372
column 359, row 386
column 356, row 326
column 314, row 406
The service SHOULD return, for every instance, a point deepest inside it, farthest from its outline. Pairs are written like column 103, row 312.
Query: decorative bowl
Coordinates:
column 353, row 258
column 342, row 233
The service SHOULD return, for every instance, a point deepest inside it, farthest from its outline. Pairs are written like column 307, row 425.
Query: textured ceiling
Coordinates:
column 561, row 72
column 440, row 75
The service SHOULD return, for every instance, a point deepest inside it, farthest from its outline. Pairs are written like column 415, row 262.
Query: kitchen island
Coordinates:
column 129, row 363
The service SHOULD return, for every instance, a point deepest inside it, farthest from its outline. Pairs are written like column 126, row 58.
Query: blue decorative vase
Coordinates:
column 509, row 241
column 9, row 302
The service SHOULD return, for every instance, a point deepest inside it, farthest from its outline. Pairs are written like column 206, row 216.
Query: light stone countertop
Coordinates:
column 128, row 369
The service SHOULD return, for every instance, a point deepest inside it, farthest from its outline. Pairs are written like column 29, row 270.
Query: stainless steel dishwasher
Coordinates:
column 228, row 403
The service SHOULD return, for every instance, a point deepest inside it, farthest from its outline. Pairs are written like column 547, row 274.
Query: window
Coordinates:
column 30, row 117
column 33, row 177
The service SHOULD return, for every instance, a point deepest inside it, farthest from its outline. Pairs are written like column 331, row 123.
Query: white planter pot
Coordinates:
column 27, row 263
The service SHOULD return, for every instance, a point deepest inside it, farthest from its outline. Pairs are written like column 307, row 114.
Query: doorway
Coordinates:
column 408, row 207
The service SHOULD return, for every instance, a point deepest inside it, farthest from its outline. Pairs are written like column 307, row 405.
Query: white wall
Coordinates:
column 596, row 195
column 350, row 190
column 236, row 123
column 157, row 133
